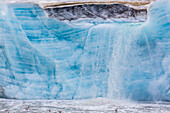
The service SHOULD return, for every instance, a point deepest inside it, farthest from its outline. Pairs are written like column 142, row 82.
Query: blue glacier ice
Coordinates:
column 44, row 58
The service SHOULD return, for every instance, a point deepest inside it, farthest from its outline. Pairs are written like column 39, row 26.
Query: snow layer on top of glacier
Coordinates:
column 64, row 0
column 44, row 3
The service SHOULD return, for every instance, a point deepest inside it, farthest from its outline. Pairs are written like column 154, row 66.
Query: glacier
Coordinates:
column 44, row 58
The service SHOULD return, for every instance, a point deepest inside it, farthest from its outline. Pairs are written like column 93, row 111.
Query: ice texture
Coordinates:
column 44, row 58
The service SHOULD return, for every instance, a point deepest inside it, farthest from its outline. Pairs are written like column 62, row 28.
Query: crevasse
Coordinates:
column 44, row 58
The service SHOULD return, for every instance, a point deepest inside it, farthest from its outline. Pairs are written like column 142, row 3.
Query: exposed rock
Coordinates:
column 104, row 11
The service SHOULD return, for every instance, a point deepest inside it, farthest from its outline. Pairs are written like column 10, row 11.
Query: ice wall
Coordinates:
column 43, row 58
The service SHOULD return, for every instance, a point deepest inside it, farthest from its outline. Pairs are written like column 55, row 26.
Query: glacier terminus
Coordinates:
column 46, row 58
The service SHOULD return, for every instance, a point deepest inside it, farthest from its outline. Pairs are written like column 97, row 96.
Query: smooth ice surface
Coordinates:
column 43, row 58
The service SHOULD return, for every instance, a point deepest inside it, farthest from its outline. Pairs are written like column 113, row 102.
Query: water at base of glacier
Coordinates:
column 99, row 105
column 44, row 58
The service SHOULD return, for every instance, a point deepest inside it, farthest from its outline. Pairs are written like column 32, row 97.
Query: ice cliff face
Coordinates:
column 44, row 58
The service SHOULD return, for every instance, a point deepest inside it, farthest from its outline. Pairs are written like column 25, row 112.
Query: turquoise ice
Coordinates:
column 43, row 58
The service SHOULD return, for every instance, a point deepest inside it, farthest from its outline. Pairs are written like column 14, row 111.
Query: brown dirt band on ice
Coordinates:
column 133, row 3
